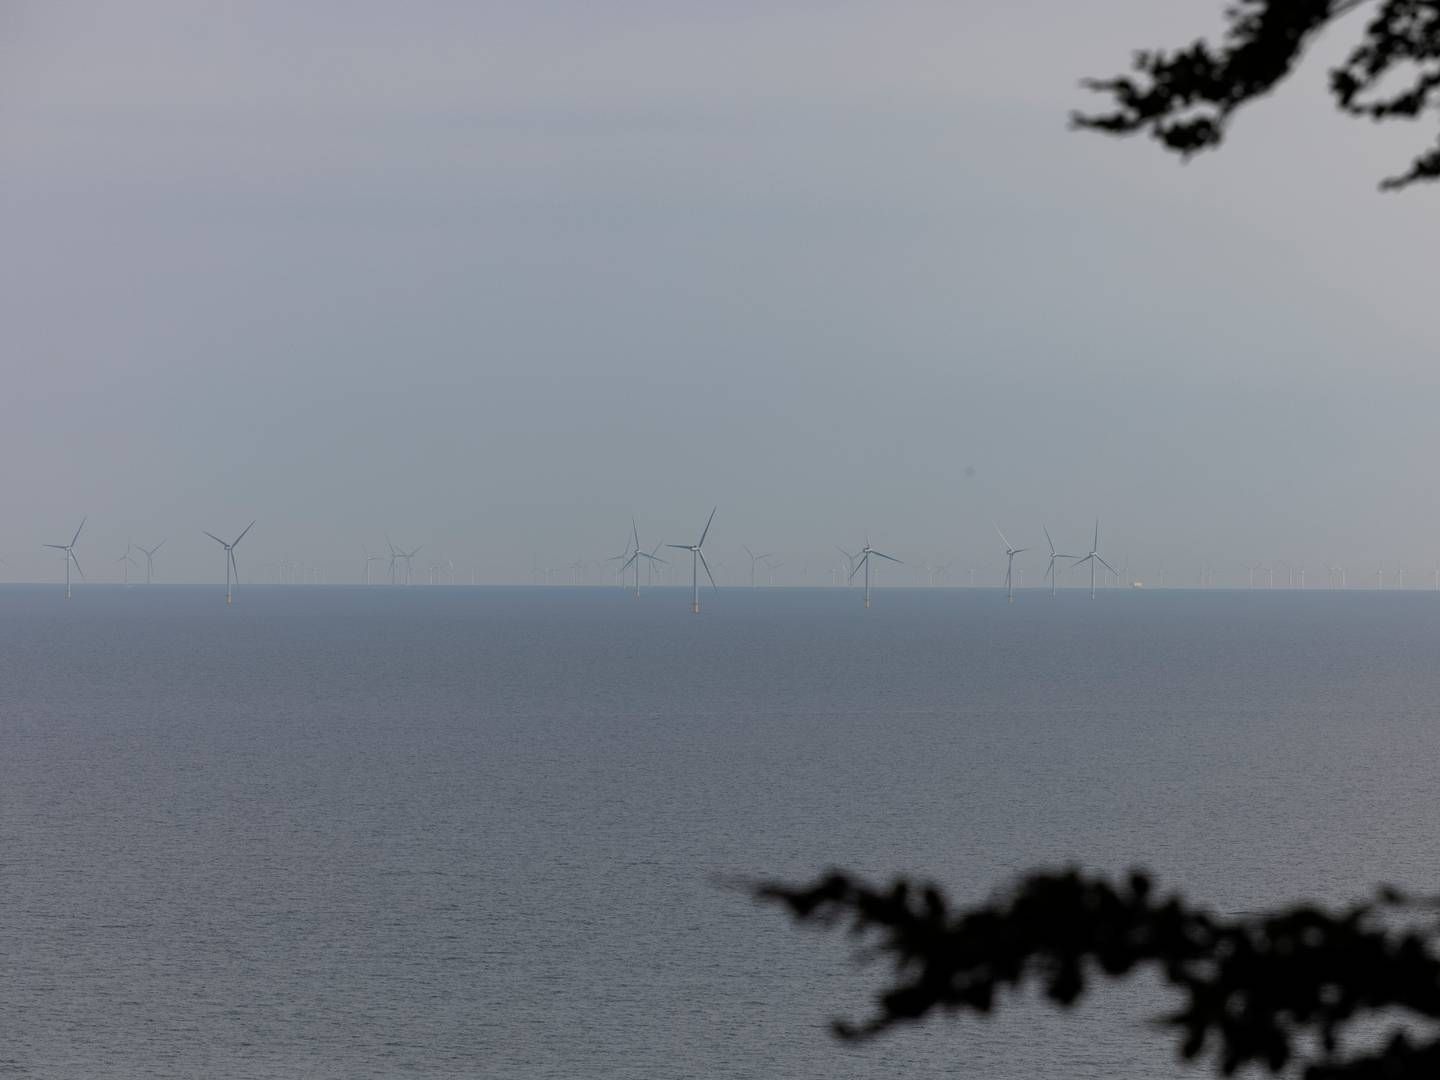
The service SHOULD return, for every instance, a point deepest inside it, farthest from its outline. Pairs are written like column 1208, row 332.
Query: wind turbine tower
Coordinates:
column 150, row 559
column 1010, row 552
column 863, row 562
column 636, row 556
column 697, row 559
column 1054, row 555
column 69, row 550
column 1093, row 558
column 126, row 561
column 753, row 560
column 230, row 559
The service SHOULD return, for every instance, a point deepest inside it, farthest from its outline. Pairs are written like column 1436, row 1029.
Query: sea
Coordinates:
column 507, row 832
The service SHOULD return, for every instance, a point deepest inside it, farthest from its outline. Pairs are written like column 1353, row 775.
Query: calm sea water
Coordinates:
column 481, row 832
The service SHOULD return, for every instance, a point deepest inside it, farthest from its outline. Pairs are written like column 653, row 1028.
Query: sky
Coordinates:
column 492, row 278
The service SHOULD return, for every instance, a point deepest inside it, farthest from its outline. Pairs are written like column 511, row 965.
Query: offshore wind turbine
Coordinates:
column 636, row 556
column 126, row 561
column 69, row 550
column 1054, row 555
column 753, row 560
column 863, row 561
column 150, row 559
column 368, row 560
column 1093, row 558
column 230, row 558
column 399, row 555
column 1010, row 552
column 697, row 559
column 623, row 559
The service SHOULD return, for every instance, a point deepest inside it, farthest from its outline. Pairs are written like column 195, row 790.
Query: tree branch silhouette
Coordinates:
column 1186, row 98
column 1276, row 990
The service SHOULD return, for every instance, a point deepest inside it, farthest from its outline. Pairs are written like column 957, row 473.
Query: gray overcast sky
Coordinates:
column 494, row 276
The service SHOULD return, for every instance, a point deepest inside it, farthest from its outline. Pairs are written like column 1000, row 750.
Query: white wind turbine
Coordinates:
column 636, row 556
column 753, row 560
column 69, row 550
column 862, row 561
column 398, row 556
column 409, row 556
column 1054, row 555
column 697, row 559
column 230, row 558
column 1010, row 552
column 623, row 559
column 150, row 559
column 1093, row 558
column 368, row 560
column 126, row 561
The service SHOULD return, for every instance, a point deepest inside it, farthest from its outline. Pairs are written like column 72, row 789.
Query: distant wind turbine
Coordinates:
column 697, row 559
column 126, row 561
column 1010, row 552
column 398, row 556
column 1093, row 558
column 150, row 559
column 368, row 560
column 230, row 558
column 69, row 550
column 1054, row 555
column 862, row 561
column 636, row 556
column 753, row 560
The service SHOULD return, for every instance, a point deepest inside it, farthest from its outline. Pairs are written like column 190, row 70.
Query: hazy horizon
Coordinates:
column 494, row 280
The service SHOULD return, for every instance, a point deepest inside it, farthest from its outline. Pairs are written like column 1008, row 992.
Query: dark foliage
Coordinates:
column 1186, row 98
column 1277, row 990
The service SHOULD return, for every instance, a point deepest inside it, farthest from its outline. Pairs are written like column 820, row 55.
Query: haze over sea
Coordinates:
column 349, row 832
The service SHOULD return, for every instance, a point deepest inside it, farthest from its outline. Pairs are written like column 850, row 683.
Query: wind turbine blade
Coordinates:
column 751, row 553
column 706, row 564
column 1017, row 551
column 1107, row 565
column 884, row 556
column 1002, row 535
column 858, row 564
column 682, row 547
column 628, row 561
column 77, row 531
column 1096, row 545
column 635, row 532
column 1081, row 561
column 58, row 547
column 215, row 538
column 707, row 531
column 158, row 546
column 76, row 561
column 1047, row 539
column 242, row 535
